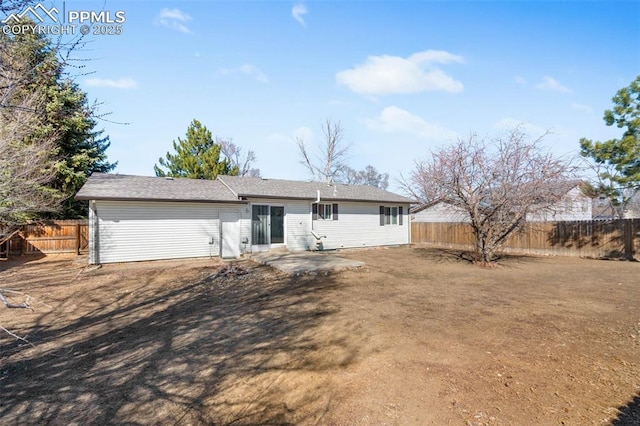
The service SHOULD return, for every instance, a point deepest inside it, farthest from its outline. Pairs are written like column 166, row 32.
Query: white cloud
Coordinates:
column 305, row 134
column 550, row 83
column 253, row 71
column 520, row 79
column 298, row 12
column 121, row 83
column 174, row 19
column 393, row 119
column 337, row 102
column 288, row 139
column 248, row 70
column 438, row 56
column 582, row 108
column 383, row 75
column 509, row 123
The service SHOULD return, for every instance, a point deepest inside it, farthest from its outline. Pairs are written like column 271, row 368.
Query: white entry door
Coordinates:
column 230, row 235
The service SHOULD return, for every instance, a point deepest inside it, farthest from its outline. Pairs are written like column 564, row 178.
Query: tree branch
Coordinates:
column 17, row 337
column 8, row 304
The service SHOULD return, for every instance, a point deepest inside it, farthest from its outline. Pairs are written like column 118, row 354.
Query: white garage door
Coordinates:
column 132, row 231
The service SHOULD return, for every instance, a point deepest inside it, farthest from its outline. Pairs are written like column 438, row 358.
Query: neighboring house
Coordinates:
column 134, row 218
column 573, row 206
column 438, row 211
column 633, row 207
column 601, row 208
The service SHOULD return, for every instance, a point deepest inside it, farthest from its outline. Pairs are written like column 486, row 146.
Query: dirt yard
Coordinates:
column 418, row 336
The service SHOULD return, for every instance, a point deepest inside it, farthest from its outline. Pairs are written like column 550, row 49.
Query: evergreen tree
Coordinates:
column 197, row 156
column 81, row 149
column 617, row 161
column 64, row 115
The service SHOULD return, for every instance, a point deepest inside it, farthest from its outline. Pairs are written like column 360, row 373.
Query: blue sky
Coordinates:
column 402, row 77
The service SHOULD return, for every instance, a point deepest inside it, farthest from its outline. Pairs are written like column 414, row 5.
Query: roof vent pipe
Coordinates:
column 318, row 197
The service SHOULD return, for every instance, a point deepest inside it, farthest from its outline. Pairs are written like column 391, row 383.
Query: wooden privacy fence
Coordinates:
column 57, row 236
column 599, row 239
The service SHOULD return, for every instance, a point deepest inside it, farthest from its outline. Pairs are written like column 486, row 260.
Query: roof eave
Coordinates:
column 178, row 200
column 365, row 200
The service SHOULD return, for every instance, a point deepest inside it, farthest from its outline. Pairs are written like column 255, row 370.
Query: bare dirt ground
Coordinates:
column 418, row 336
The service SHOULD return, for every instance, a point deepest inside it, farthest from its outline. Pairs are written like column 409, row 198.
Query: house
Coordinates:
column 573, row 206
column 133, row 218
column 439, row 211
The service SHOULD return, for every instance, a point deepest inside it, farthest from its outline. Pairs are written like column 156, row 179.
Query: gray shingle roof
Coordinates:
column 277, row 188
column 102, row 186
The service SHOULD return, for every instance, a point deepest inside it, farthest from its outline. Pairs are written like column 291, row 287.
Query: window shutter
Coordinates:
column 400, row 215
column 314, row 211
column 381, row 215
column 335, row 212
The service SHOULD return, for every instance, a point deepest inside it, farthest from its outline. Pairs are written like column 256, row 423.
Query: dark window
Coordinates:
column 390, row 215
column 325, row 211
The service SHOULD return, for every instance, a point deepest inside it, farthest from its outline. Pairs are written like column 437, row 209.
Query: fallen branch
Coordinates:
column 16, row 336
column 8, row 304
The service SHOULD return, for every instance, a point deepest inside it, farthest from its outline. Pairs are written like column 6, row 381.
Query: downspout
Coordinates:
column 94, row 234
column 317, row 201
column 410, row 224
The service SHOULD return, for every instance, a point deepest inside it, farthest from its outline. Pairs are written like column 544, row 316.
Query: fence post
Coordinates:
column 627, row 235
column 77, row 239
column 22, row 241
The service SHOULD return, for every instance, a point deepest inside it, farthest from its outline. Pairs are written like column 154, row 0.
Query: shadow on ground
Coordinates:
column 629, row 414
column 452, row 256
column 17, row 261
column 214, row 351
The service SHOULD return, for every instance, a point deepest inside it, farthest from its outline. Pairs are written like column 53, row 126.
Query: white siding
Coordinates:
column 573, row 206
column 441, row 212
column 358, row 225
column 245, row 228
column 132, row 231
column 93, row 234
column 298, row 226
column 297, row 222
column 143, row 230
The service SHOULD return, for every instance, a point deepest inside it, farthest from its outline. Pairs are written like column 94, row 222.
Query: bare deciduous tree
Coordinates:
column 8, row 6
column 27, row 163
column 368, row 176
column 328, row 163
column 235, row 156
column 494, row 183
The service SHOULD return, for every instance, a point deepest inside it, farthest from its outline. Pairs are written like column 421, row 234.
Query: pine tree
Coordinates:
column 617, row 161
column 81, row 149
column 197, row 156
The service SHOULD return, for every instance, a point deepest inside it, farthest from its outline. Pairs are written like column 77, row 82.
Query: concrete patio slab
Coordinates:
column 305, row 262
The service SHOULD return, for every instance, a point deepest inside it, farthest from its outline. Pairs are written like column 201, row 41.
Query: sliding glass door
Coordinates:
column 267, row 225
column 277, row 225
column 259, row 225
